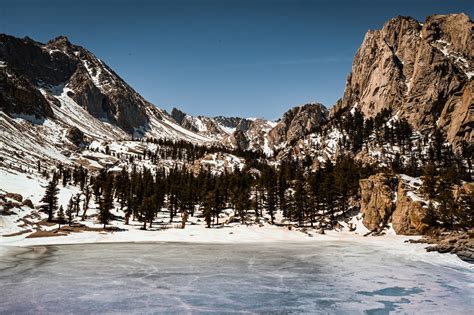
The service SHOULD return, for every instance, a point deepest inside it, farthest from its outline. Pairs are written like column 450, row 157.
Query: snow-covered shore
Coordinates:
column 241, row 235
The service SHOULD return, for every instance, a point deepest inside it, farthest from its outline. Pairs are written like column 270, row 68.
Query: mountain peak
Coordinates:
column 178, row 115
column 60, row 40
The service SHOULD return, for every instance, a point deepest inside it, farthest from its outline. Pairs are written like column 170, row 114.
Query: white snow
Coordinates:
column 353, row 109
column 227, row 130
column 445, row 48
column 94, row 73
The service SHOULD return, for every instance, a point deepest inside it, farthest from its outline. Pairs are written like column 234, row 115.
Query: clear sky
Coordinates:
column 238, row 58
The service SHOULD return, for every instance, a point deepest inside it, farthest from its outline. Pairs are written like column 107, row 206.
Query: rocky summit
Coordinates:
column 422, row 71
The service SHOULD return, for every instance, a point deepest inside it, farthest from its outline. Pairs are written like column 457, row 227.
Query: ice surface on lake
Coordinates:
column 325, row 277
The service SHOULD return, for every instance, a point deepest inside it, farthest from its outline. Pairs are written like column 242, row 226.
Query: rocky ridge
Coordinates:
column 236, row 132
column 423, row 71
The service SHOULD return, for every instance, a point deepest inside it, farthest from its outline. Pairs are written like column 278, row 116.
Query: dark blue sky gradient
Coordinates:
column 242, row 58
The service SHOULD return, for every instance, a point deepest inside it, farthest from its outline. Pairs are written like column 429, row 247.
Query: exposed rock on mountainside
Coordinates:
column 297, row 122
column 376, row 201
column 422, row 71
column 239, row 140
column 200, row 124
column 410, row 217
column 19, row 96
column 391, row 199
column 242, row 133
column 235, row 123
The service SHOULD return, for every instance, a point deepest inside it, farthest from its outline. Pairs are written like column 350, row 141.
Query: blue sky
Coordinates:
column 238, row 58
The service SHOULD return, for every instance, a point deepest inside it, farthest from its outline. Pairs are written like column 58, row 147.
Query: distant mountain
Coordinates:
column 242, row 133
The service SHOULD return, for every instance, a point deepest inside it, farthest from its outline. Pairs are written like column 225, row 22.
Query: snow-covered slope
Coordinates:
column 235, row 132
column 66, row 99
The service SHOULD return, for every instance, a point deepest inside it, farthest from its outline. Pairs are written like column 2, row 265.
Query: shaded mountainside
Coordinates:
column 94, row 86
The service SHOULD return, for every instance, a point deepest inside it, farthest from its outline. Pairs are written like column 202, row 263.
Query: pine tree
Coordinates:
column 106, row 204
column 467, row 152
column 85, row 205
column 207, row 208
column 429, row 178
column 60, row 216
column 77, row 200
column 69, row 211
column 299, row 202
column 466, row 205
column 50, row 199
column 447, row 210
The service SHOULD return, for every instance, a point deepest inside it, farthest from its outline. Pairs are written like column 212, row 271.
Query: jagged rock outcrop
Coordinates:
column 385, row 199
column 409, row 217
column 376, row 200
column 75, row 135
column 178, row 115
column 297, row 122
column 422, row 71
column 239, row 140
column 19, row 96
column 241, row 133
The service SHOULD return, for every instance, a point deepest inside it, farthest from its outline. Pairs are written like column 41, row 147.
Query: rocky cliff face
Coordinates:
column 424, row 72
column 376, row 200
column 20, row 96
column 393, row 199
column 409, row 217
column 297, row 122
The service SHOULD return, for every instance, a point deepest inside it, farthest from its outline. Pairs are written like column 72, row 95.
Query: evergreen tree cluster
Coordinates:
column 262, row 190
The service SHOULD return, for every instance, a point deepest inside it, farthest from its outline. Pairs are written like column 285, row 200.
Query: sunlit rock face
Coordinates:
column 423, row 71
column 387, row 198
column 298, row 122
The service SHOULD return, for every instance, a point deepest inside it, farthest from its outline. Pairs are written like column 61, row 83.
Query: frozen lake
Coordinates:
column 320, row 277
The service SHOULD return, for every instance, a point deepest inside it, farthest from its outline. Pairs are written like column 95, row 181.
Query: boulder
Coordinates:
column 14, row 196
column 376, row 203
column 379, row 206
column 409, row 217
column 28, row 203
